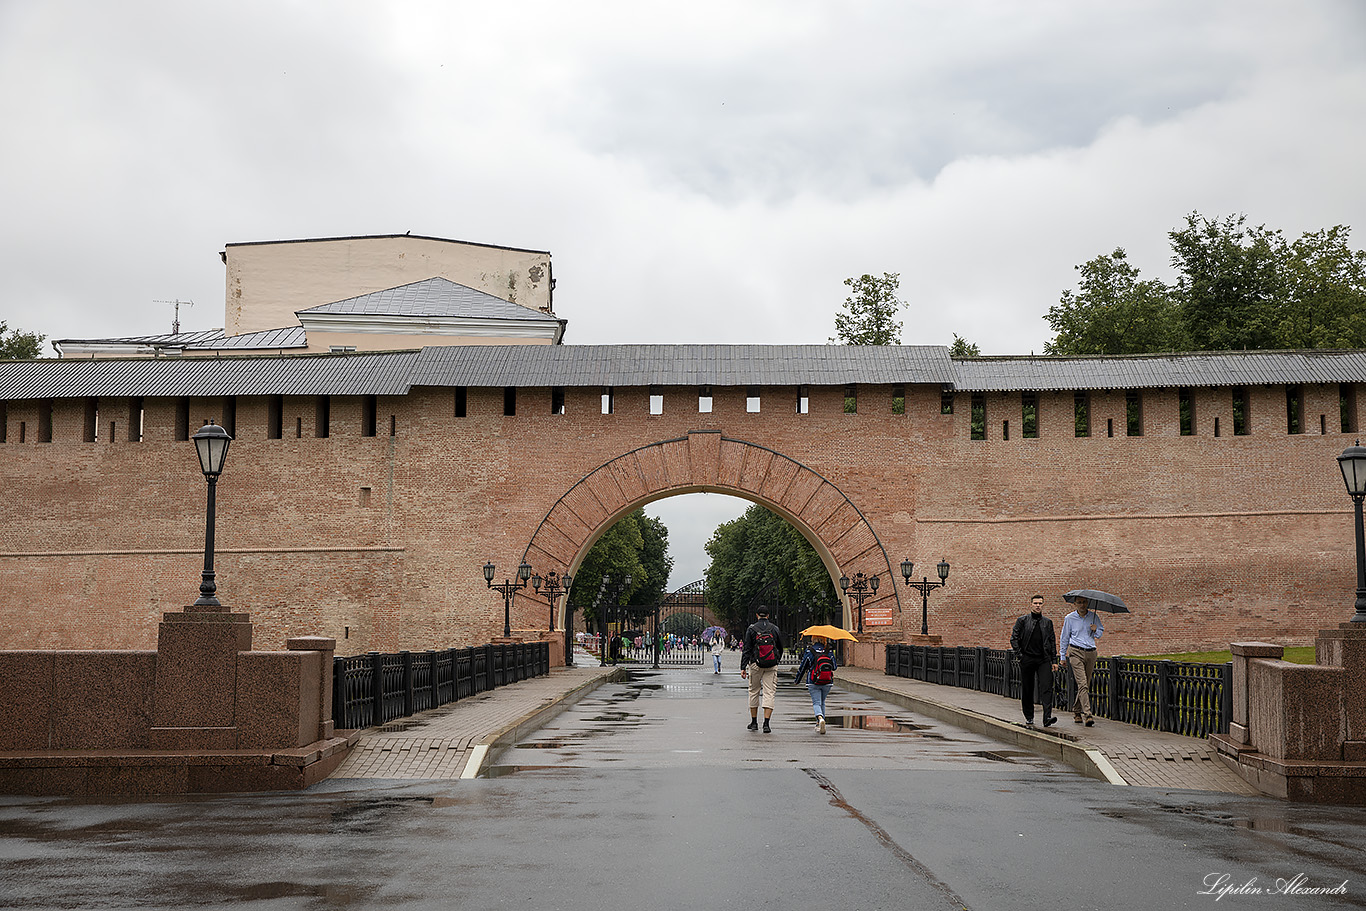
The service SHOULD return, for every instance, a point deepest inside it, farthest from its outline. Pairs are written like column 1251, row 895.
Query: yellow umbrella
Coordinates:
column 829, row 632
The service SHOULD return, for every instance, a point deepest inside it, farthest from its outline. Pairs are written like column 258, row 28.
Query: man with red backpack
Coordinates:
column 763, row 649
column 818, row 667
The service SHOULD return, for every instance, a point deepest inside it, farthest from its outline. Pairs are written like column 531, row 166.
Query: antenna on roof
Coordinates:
column 175, row 325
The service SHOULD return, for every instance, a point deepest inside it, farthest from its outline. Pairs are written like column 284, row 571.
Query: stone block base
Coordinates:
column 1306, row 781
column 151, row 773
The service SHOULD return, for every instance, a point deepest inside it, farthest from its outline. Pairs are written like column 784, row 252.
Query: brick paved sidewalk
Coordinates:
column 1138, row 756
column 440, row 743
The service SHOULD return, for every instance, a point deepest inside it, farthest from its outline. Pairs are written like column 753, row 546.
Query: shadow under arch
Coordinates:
column 706, row 461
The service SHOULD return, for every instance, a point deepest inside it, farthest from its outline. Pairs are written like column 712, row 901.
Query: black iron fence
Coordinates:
column 1191, row 699
column 371, row 689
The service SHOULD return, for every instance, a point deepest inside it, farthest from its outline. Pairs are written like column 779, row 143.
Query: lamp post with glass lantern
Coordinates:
column 555, row 585
column 860, row 588
column 924, row 586
column 211, row 443
column 1353, row 465
column 508, row 588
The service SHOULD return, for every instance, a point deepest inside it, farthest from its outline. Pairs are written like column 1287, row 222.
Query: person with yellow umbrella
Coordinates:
column 817, row 667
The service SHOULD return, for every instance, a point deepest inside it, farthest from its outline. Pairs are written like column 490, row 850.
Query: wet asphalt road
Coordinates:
column 651, row 794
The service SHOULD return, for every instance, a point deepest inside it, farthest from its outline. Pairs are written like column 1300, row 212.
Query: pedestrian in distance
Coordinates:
column 762, row 651
column 1034, row 644
column 817, row 670
column 1080, row 631
column 718, row 647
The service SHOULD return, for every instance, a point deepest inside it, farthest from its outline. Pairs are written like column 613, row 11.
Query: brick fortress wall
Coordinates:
column 378, row 541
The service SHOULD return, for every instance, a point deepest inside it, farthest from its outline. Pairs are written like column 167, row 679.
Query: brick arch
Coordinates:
column 705, row 461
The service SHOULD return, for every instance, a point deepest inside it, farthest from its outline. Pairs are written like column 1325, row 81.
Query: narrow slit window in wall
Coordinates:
column 4, row 422
column 1133, row 413
column 1240, row 411
column 275, row 417
column 898, row 400
column 979, row 416
column 1185, row 406
column 182, row 419
column 509, row 401
column 608, row 405
column 946, row 402
column 1005, row 430
column 1081, row 414
column 460, row 401
column 1347, row 407
column 323, row 426
column 298, row 428
column 851, row 399
column 1294, row 409
column 369, row 416
column 704, row 400
column 1216, row 425
column 45, row 422
column 1029, row 415
column 393, row 425
column 136, row 415
column 656, row 400
column 803, row 400
column 1109, row 427
column 230, row 415
column 91, row 432
column 752, row 401
column 557, row 400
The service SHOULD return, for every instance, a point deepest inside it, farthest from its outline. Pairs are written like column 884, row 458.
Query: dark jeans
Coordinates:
column 1030, row 671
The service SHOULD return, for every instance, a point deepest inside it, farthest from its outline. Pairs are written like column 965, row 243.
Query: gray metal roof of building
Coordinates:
column 1241, row 368
column 351, row 374
column 395, row 372
column 680, row 365
column 432, row 297
column 208, row 340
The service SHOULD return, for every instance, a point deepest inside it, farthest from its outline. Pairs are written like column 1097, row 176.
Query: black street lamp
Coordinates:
column 1353, row 465
column 507, row 587
column 924, row 586
column 861, row 588
column 211, row 442
column 555, row 585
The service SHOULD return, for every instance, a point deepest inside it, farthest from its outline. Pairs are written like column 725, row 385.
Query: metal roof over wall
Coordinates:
column 355, row 374
column 395, row 372
column 681, row 365
column 1243, row 368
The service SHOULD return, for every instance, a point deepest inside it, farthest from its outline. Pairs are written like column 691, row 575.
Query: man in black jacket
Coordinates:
column 1034, row 643
column 759, row 663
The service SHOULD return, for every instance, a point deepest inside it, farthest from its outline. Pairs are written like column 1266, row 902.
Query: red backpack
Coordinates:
column 823, row 669
column 766, row 647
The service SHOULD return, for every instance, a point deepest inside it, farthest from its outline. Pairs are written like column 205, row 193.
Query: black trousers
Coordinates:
column 1040, row 671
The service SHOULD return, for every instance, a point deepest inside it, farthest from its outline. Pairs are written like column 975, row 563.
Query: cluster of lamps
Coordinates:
column 862, row 587
column 552, row 587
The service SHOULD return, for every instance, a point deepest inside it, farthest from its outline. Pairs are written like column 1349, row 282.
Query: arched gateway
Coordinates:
column 709, row 462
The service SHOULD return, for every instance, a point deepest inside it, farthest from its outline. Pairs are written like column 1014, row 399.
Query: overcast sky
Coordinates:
column 701, row 172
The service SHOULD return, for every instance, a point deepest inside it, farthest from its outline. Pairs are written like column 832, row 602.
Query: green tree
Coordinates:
column 1324, row 282
column 1113, row 312
column 636, row 546
column 19, row 346
column 758, row 549
column 961, row 347
column 870, row 312
column 1230, row 282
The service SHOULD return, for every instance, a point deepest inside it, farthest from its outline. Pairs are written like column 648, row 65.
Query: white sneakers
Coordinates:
column 820, row 724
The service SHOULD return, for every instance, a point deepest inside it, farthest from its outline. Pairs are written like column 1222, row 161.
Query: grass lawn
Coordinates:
column 1302, row 655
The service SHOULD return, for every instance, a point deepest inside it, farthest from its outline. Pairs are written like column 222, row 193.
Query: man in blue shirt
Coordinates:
column 1077, row 650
